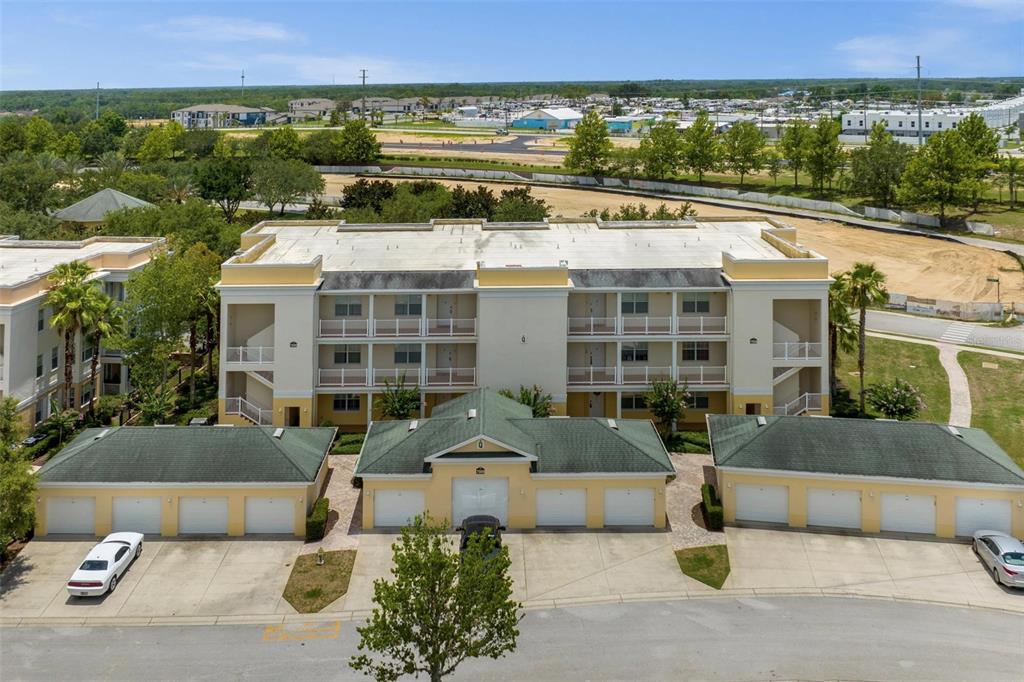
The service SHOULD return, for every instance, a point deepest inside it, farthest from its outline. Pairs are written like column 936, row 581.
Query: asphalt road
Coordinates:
column 807, row 638
column 514, row 146
column 964, row 333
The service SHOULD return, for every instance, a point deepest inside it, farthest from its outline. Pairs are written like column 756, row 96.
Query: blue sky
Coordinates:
column 159, row 44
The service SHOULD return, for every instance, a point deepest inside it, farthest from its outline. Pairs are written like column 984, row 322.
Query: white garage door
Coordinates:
column 562, row 507
column 203, row 515
column 763, row 503
column 71, row 515
column 629, row 507
column 976, row 514
column 138, row 514
column 269, row 515
column 833, row 508
column 908, row 513
column 472, row 496
column 393, row 508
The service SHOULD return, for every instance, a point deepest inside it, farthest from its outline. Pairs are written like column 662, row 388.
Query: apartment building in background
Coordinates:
column 317, row 317
column 31, row 350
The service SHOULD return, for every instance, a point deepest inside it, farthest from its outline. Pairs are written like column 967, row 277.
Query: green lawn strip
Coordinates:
column 709, row 565
column 694, row 442
column 916, row 363
column 311, row 587
column 997, row 399
column 348, row 444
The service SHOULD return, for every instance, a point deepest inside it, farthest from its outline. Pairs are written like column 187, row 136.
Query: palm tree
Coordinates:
column 866, row 287
column 103, row 319
column 70, row 298
column 842, row 337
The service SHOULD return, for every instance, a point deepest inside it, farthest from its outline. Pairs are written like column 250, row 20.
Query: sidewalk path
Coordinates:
column 959, row 390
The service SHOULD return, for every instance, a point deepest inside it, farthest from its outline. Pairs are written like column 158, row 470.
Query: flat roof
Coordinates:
column 462, row 246
column 24, row 261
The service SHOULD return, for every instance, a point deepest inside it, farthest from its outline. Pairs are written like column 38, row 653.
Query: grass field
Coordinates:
column 311, row 587
column 997, row 399
column 710, row 565
column 913, row 362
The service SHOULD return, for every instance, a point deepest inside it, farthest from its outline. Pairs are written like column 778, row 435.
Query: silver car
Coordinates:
column 1003, row 556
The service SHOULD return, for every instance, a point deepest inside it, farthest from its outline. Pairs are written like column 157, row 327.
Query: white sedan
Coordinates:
column 105, row 564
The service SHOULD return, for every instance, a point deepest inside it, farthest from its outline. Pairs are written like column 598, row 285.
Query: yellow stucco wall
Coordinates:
column 871, row 495
column 325, row 412
column 247, row 273
column 522, row 491
column 523, row 277
column 792, row 268
column 739, row 403
column 305, row 406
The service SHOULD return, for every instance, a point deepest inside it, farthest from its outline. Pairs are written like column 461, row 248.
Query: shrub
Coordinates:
column 714, row 515
column 316, row 522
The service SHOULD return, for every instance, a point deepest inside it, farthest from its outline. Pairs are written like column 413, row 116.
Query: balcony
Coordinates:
column 697, row 325
column 398, row 327
column 345, row 328
column 592, row 326
column 258, row 355
column 48, row 380
column 807, row 402
column 701, row 375
column 450, row 376
column 698, row 375
column 342, row 377
column 451, row 327
column 241, row 407
column 797, row 350
column 395, row 375
column 111, row 388
column 590, row 376
column 644, row 375
column 647, row 326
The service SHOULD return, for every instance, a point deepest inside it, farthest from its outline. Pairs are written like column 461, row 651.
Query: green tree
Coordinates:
column 534, row 397
column 518, row 205
column 824, row 153
column 1011, row 168
column 17, row 482
column 70, row 297
column 26, row 224
column 772, row 163
column 277, row 143
column 198, row 144
column 478, row 203
column 590, row 146
column 982, row 144
column 113, row 123
column 441, row 607
column 335, row 119
column 356, row 143
column 284, row 181
column 67, row 146
column 157, row 146
column 666, row 400
column 39, row 135
column 743, row 148
column 795, row 146
column 26, row 184
column 842, row 334
column 199, row 268
column 103, row 319
column 226, row 181
column 96, row 139
column 12, row 135
column 701, row 151
column 186, row 224
column 865, row 287
column 876, row 168
column 941, row 175
column 896, row 399
column 661, row 151
column 398, row 401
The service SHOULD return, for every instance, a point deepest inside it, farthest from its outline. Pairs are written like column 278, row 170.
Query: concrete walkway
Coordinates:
column 959, row 390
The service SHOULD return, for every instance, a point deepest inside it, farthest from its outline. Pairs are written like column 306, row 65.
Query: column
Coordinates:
column 618, row 312
column 369, row 317
column 423, row 364
column 675, row 354
column 618, row 362
column 675, row 314
column 369, row 364
column 423, row 315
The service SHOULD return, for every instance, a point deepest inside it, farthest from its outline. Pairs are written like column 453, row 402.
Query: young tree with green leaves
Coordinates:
column 356, row 143
column 284, row 181
column 157, row 146
column 518, row 205
column 440, row 608
column 103, row 319
column 842, row 334
column 794, row 146
column 982, row 144
column 824, row 153
column 17, row 482
column 865, row 287
column 590, row 147
column 225, row 181
column 200, row 270
column 939, row 176
column 39, row 135
column 772, row 163
column 70, row 297
column 1011, row 168
column 667, row 400
column 896, row 399
column 700, row 152
column 876, row 168
column 534, row 397
column 661, row 150
column 743, row 148
column 398, row 401
column 277, row 143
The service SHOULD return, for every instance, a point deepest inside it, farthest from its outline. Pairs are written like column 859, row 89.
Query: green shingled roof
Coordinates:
column 190, row 454
column 95, row 207
column 561, row 445
column 861, row 447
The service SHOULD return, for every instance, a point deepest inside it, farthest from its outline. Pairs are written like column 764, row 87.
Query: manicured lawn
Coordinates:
column 997, row 399
column 311, row 587
column 689, row 441
column 918, row 364
column 348, row 444
column 709, row 565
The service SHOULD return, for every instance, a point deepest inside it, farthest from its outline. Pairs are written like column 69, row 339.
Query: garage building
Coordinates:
column 865, row 475
column 188, row 480
column 482, row 453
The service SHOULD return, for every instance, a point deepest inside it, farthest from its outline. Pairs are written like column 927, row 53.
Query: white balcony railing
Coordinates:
column 796, row 350
column 590, row 376
column 646, row 325
column 51, row 378
column 241, row 407
column 394, row 376
column 345, row 328
column 451, row 327
column 700, row 325
column 111, row 388
column 702, row 374
column 259, row 355
column 591, row 326
column 644, row 374
column 450, row 376
column 348, row 376
column 399, row 326
column 804, row 403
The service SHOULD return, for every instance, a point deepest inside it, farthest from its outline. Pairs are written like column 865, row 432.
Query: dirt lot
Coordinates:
column 916, row 266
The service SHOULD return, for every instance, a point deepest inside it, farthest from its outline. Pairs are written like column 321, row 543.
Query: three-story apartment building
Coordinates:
column 317, row 317
column 31, row 350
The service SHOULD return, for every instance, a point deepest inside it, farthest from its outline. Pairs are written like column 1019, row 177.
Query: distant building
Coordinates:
column 904, row 122
column 314, row 109
column 630, row 125
column 560, row 118
column 220, row 116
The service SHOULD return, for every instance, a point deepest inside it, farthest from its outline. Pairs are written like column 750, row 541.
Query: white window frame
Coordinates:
column 348, row 355
column 411, row 352
column 633, row 401
column 348, row 306
column 694, row 350
column 408, row 305
column 631, row 352
column 345, row 401
column 635, row 303
column 696, row 303
column 699, row 401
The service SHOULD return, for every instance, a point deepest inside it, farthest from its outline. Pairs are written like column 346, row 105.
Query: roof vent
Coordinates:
column 278, row 433
column 472, row 413
column 612, row 424
column 955, row 431
column 101, row 434
column 413, row 424
column 761, row 421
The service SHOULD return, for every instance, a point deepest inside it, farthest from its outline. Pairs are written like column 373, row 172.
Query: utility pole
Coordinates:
column 97, row 100
column 362, row 109
column 243, row 82
column 920, row 133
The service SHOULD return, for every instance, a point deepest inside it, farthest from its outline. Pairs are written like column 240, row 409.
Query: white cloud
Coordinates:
column 1008, row 10
column 222, row 30
column 943, row 51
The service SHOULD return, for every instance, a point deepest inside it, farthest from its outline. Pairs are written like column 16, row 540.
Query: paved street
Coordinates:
column 1009, row 338
column 714, row 639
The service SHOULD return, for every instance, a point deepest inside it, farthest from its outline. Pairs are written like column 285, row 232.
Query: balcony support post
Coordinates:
column 423, row 314
column 675, row 347
column 618, row 359
column 673, row 325
column 369, row 360
column 371, row 324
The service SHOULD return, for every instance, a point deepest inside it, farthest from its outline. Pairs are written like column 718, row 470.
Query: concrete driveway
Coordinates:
column 173, row 577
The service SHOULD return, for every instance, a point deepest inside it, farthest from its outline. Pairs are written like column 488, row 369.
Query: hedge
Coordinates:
column 712, row 507
column 316, row 522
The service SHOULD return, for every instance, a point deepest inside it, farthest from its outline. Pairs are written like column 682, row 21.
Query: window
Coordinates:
column 696, row 303
column 899, row 124
column 39, row 366
column 849, row 123
column 913, row 124
column 927, row 124
column 348, row 306
column 87, row 352
column 54, row 358
column 696, row 350
column 86, row 397
column 114, row 290
column 346, row 402
column 71, row 396
column 40, row 320
column 347, row 355
column 408, row 304
column 634, row 401
column 120, row 553
column 634, row 304
column 940, row 124
column 699, row 401
column 634, row 352
column 407, row 354
column 39, row 411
